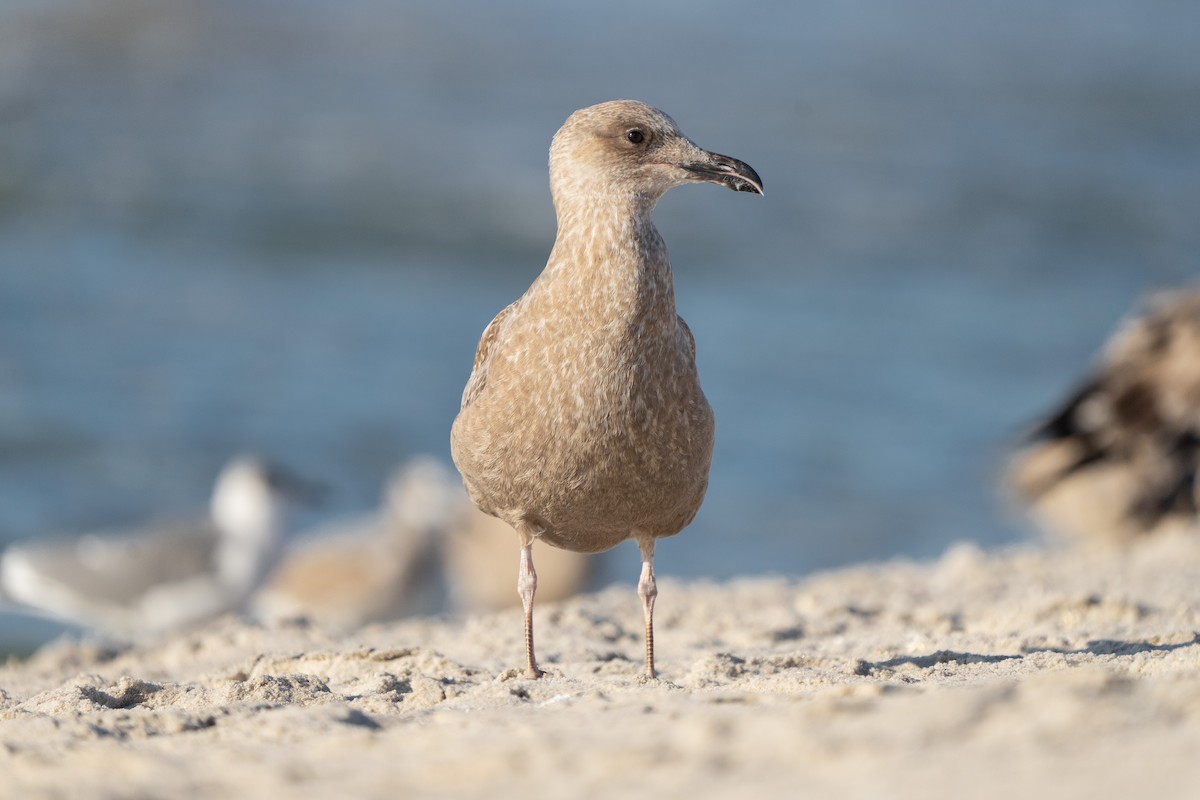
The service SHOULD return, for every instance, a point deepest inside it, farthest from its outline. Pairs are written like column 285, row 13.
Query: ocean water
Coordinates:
column 231, row 226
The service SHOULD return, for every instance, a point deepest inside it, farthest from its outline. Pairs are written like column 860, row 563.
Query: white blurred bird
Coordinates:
column 165, row 576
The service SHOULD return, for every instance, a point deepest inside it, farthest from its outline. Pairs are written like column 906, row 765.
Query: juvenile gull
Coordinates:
column 165, row 576
column 367, row 569
column 583, row 423
column 1119, row 458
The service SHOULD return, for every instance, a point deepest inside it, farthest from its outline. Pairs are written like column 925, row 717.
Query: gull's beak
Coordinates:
column 725, row 170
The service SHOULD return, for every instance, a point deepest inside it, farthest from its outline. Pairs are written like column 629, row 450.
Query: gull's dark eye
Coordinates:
column 635, row 136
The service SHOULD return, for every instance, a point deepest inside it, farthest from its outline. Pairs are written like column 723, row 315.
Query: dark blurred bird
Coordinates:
column 583, row 423
column 1119, row 459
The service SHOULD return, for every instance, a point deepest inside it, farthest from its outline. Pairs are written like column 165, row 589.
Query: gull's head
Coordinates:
column 253, row 497
column 627, row 148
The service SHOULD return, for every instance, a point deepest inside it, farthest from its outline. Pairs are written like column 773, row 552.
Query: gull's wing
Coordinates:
column 483, row 354
column 687, row 334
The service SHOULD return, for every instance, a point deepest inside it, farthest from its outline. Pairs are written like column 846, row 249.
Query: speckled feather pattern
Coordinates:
column 583, row 422
column 1120, row 458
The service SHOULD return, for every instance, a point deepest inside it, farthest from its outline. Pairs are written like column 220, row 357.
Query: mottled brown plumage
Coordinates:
column 583, row 423
column 1120, row 457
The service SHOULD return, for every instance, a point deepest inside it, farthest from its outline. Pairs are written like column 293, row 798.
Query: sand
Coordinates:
column 1027, row 672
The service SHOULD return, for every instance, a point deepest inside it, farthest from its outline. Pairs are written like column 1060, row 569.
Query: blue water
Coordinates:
column 282, row 226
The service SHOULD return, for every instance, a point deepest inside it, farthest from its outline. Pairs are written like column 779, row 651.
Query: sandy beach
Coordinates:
column 1027, row 672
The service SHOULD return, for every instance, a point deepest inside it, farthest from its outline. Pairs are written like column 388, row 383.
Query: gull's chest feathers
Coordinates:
column 596, row 339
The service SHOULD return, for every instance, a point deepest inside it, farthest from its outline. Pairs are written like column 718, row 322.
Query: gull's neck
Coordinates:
column 250, row 519
column 609, row 257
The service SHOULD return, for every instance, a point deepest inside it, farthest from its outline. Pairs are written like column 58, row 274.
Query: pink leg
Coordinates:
column 526, row 586
column 648, row 590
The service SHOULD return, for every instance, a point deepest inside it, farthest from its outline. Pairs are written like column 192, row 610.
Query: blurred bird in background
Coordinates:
column 367, row 569
column 1119, row 459
column 427, row 549
column 165, row 576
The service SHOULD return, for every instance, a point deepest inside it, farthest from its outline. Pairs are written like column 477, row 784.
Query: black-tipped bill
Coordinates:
column 727, row 171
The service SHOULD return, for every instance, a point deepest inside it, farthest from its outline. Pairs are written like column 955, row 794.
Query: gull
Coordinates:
column 1119, row 458
column 164, row 576
column 583, row 423
column 371, row 569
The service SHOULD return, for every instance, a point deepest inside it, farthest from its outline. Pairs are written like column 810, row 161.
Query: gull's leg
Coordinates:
column 526, row 586
column 648, row 590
